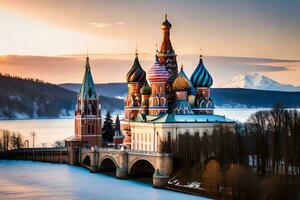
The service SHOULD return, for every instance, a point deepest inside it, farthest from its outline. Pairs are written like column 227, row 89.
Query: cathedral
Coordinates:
column 164, row 103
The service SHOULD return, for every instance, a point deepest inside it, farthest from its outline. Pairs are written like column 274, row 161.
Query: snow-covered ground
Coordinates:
column 36, row 180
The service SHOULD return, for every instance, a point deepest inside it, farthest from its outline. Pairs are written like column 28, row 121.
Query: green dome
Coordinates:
column 146, row 89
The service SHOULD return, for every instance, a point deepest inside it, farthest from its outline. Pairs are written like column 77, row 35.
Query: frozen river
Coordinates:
column 21, row 180
column 50, row 130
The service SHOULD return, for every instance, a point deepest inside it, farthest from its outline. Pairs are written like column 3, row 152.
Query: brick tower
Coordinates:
column 88, row 111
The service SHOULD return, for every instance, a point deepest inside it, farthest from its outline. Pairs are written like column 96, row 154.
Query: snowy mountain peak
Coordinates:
column 258, row 81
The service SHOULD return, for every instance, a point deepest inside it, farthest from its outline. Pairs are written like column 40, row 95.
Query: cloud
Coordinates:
column 99, row 24
column 120, row 23
column 114, row 67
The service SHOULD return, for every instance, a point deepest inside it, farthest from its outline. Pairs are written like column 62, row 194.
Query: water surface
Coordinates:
column 21, row 180
column 50, row 130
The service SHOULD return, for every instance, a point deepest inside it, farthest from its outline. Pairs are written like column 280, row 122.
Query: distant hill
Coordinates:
column 248, row 98
column 116, row 90
column 28, row 98
column 258, row 81
column 222, row 97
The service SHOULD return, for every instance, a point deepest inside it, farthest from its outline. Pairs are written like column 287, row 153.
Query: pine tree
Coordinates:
column 108, row 128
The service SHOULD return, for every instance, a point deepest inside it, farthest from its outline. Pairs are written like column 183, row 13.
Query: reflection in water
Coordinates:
column 37, row 180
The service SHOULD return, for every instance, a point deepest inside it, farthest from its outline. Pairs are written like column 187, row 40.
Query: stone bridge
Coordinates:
column 128, row 163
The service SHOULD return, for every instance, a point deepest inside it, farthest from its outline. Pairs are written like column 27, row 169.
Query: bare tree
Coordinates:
column 6, row 139
column 59, row 144
column 16, row 141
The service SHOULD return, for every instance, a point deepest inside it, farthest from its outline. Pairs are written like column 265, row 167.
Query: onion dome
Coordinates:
column 146, row 89
column 182, row 73
column 181, row 84
column 166, row 23
column 157, row 72
column 201, row 77
column 136, row 73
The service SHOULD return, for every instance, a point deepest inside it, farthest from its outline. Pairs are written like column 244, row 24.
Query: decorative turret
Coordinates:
column 88, row 111
column 87, row 89
column 167, row 58
column 157, row 72
column 146, row 92
column 201, row 77
column 202, row 80
column 146, row 89
column 158, row 77
column 135, row 78
column 118, row 137
column 136, row 73
column 181, row 85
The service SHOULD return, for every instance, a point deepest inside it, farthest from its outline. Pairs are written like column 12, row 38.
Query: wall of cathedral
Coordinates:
column 148, row 136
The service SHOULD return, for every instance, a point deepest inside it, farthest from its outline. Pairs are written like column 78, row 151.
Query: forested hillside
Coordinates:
column 222, row 97
column 28, row 98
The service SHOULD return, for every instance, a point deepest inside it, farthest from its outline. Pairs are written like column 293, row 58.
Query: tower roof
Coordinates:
column 181, row 84
column 182, row 73
column 166, row 46
column 87, row 89
column 166, row 23
column 201, row 77
column 157, row 72
column 146, row 89
column 117, row 123
column 136, row 73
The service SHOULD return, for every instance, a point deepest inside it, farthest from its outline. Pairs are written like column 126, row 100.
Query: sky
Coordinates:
column 47, row 39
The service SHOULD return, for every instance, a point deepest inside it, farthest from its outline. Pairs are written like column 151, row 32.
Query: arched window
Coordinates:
column 89, row 129
column 93, row 129
column 203, row 104
column 163, row 101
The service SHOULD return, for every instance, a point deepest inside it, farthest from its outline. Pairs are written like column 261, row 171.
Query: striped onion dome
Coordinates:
column 201, row 77
column 157, row 72
column 136, row 73
column 181, row 84
column 146, row 89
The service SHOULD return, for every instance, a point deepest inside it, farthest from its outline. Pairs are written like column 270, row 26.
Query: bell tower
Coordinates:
column 88, row 111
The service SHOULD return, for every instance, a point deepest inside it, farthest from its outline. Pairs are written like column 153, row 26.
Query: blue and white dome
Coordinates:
column 201, row 77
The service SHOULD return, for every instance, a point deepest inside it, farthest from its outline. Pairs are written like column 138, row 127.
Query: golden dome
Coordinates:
column 181, row 84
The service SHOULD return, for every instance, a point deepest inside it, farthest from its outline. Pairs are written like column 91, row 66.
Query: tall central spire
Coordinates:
column 166, row 47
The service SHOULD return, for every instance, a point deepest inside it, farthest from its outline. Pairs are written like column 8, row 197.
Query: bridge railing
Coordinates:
column 39, row 149
column 130, row 151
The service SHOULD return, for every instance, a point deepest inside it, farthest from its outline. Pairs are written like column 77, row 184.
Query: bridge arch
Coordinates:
column 87, row 161
column 108, row 164
column 141, row 168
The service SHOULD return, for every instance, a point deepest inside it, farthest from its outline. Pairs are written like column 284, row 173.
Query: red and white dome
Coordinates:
column 157, row 72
